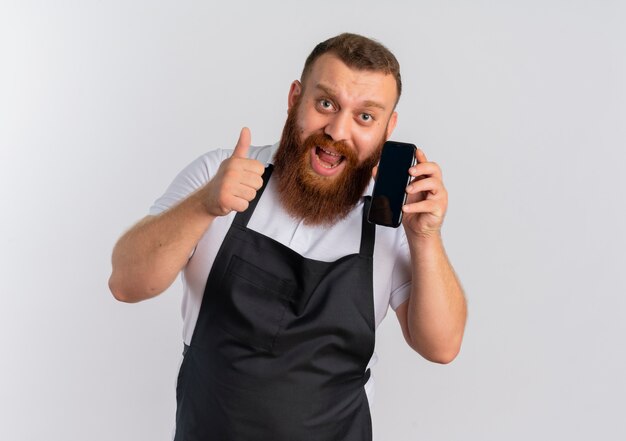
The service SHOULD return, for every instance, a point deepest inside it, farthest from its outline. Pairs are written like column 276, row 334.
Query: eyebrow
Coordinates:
column 330, row 91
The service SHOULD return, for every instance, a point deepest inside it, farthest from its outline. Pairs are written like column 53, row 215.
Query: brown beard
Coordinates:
column 318, row 200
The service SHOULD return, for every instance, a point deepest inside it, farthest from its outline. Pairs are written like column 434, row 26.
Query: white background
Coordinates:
column 523, row 104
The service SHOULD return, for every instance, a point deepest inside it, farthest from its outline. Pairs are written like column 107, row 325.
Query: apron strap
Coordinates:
column 366, row 377
column 368, row 231
column 242, row 218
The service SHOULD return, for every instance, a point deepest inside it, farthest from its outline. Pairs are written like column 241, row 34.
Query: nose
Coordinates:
column 338, row 127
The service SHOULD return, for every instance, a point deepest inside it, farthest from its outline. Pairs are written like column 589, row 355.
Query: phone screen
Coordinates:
column 391, row 181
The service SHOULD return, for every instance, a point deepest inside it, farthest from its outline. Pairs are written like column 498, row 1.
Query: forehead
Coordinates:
column 330, row 73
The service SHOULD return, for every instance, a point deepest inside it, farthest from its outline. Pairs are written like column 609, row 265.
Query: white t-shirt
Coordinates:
column 391, row 260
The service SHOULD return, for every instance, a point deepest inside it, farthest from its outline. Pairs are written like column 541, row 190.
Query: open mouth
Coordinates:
column 328, row 159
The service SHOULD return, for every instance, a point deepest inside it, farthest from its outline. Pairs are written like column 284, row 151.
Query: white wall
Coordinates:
column 521, row 103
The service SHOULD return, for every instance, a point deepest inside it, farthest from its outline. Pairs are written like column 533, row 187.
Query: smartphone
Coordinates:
column 389, row 193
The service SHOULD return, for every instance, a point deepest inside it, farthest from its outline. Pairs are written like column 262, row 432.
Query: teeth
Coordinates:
column 328, row 166
column 330, row 153
column 325, row 164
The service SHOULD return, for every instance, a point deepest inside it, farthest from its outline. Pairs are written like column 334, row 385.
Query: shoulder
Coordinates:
column 264, row 154
column 215, row 157
column 202, row 169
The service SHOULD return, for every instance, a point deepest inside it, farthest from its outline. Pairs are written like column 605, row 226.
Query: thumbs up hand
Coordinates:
column 236, row 182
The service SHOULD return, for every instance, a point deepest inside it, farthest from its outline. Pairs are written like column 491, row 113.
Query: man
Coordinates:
column 285, row 281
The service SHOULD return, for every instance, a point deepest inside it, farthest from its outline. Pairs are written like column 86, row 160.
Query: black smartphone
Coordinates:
column 389, row 193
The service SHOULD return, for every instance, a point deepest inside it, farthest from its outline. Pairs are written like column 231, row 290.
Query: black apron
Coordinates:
column 281, row 345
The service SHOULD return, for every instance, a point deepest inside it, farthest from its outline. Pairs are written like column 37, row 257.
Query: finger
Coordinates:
column 243, row 144
column 425, row 206
column 425, row 169
column 420, row 156
column 252, row 180
column 432, row 185
column 244, row 192
column 237, row 200
column 255, row 167
column 240, row 204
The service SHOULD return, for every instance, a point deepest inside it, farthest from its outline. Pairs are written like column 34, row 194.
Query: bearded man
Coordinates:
column 284, row 279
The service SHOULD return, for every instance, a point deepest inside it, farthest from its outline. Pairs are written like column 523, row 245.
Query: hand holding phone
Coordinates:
column 389, row 193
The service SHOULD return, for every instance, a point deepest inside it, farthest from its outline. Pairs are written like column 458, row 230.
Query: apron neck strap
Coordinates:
column 368, row 231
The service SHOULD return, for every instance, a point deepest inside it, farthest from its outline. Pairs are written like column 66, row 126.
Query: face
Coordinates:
column 337, row 123
column 351, row 106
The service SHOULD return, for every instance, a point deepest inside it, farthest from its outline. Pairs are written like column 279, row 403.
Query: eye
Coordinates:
column 325, row 104
column 366, row 117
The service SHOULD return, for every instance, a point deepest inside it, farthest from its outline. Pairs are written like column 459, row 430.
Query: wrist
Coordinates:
column 199, row 204
column 425, row 236
column 424, row 241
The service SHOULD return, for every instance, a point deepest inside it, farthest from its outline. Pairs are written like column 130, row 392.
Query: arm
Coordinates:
column 433, row 318
column 147, row 258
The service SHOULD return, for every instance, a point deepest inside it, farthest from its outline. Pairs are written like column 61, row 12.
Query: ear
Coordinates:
column 391, row 125
column 294, row 93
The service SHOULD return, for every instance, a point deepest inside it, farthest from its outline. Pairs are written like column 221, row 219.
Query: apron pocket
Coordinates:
column 254, row 303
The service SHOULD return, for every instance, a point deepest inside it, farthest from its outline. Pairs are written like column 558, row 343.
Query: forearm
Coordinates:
column 437, row 309
column 147, row 259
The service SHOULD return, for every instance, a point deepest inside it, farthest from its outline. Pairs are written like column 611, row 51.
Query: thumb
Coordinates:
column 243, row 144
column 421, row 156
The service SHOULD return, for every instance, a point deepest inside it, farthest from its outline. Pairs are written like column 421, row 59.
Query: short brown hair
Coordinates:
column 357, row 52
